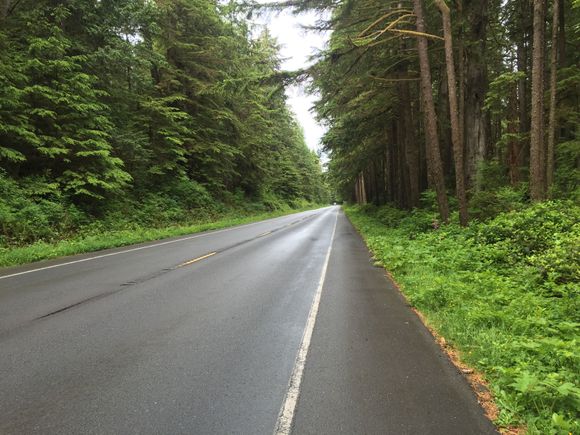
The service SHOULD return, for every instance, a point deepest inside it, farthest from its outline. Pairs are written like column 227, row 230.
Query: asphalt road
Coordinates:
column 200, row 335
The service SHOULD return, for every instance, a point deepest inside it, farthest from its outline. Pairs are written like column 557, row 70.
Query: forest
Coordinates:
column 485, row 99
column 453, row 133
column 452, row 136
column 119, row 114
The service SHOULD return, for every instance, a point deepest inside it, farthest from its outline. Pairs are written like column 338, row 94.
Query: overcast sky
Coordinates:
column 296, row 47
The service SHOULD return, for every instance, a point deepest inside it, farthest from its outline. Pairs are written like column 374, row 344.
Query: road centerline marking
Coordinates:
column 195, row 260
column 140, row 248
column 288, row 409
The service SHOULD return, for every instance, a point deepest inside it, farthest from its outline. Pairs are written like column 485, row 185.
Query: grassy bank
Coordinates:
column 103, row 234
column 504, row 293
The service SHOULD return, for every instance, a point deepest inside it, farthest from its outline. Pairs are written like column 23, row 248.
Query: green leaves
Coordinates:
column 103, row 104
column 481, row 289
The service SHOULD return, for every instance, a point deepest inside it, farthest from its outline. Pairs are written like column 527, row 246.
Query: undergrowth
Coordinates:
column 504, row 292
column 97, row 239
column 38, row 224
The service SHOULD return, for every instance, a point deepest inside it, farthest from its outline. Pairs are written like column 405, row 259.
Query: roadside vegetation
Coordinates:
column 116, row 230
column 123, row 121
column 130, row 120
column 504, row 292
column 455, row 127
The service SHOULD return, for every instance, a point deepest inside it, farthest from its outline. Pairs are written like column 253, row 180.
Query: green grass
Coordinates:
column 505, row 293
column 97, row 238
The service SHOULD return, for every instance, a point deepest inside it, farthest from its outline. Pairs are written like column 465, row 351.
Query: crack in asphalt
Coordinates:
column 164, row 271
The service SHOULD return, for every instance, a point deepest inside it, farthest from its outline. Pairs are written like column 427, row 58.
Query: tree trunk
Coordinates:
column 363, row 188
column 410, row 145
column 476, row 85
column 514, row 143
column 562, row 35
column 453, row 113
column 444, row 123
column 537, row 145
column 524, row 115
column 4, row 8
column 360, row 191
column 461, row 76
column 522, row 63
column 434, row 165
column 553, row 82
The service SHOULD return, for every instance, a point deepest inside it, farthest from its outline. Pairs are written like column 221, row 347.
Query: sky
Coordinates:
column 297, row 46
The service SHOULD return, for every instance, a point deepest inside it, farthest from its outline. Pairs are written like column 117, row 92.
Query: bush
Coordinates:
column 485, row 205
column 504, row 292
column 491, row 175
column 532, row 230
column 390, row 216
column 189, row 194
column 567, row 176
column 32, row 211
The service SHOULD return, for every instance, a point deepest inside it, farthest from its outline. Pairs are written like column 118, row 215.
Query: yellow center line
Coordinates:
column 265, row 234
column 195, row 260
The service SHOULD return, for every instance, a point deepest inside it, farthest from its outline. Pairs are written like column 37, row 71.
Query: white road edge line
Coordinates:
column 135, row 249
column 286, row 415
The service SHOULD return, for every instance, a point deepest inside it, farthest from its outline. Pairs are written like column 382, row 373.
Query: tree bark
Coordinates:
column 520, row 149
column 476, row 85
column 453, row 113
column 4, row 8
column 553, row 82
column 434, row 165
column 363, row 188
column 562, row 34
column 514, row 143
column 461, row 76
column 522, row 64
column 411, row 146
column 537, row 145
column 443, row 121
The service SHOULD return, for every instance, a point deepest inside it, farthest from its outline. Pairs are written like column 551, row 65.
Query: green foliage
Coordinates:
column 367, row 79
column 491, row 175
column 112, row 232
column 567, row 183
column 504, row 292
column 141, row 113
column 35, row 210
column 532, row 230
column 487, row 204
column 500, row 89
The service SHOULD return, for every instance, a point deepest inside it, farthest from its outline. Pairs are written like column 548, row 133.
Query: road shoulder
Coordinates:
column 373, row 367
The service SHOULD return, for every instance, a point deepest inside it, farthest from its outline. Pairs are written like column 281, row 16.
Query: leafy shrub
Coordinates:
column 189, row 194
column 487, row 204
column 272, row 202
column 420, row 220
column 390, row 216
column 532, row 230
column 491, row 175
column 32, row 211
column 561, row 262
column 505, row 293
column 428, row 200
column 567, row 176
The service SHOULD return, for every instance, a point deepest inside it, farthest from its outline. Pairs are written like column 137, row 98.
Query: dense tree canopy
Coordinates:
column 467, row 111
column 108, row 101
column 473, row 114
